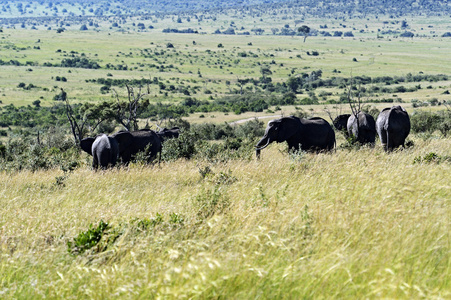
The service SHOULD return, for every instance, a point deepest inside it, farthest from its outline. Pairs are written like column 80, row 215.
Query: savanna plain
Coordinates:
column 350, row 224
column 356, row 223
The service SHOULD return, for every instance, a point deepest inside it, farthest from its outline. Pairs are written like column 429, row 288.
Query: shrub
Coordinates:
column 211, row 202
column 431, row 158
column 423, row 121
column 87, row 239
column 182, row 147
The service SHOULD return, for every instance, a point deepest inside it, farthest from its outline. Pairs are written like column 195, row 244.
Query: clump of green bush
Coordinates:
column 25, row 152
column 428, row 122
column 214, row 142
column 100, row 238
column 86, row 240
column 431, row 157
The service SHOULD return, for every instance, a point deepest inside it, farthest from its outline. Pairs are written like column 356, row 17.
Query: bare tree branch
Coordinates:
column 127, row 112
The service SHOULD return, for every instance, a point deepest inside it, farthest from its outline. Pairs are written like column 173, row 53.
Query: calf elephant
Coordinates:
column 141, row 140
column 393, row 127
column 105, row 149
column 341, row 123
column 165, row 133
column 314, row 134
column 362, row 127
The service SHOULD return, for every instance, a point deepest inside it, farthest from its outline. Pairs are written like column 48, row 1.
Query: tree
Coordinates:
column 87, row 118
column 127, row 112
column 404, row 24
column 355, row 100
column 305, row 30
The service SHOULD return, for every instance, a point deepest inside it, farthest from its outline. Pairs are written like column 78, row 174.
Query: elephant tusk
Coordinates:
column 263, row 147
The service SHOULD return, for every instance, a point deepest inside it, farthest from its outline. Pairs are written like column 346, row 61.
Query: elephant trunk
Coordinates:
column 262, row 144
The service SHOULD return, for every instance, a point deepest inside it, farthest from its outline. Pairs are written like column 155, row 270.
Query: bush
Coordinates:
column 431, row 158
column 87, row 239
column 182, row 147
column 212, row 202
column 428, row 122
column 23, row 152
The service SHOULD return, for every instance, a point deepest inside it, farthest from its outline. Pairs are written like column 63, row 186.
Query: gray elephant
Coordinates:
column 314, row 134
column 165, row 133
column 105, row 149
column 393, row 127
column 141, row 140
column 363, row 127
column 341, row 124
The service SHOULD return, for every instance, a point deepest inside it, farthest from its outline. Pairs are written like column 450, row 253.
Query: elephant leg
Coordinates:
column 389, row 142
column 383, row 135
column 95, row 162
column 113, row 160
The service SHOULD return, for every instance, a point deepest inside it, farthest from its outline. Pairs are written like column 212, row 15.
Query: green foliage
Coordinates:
column 182, row 147
column 79, row 62
column 428, row 122
column 102, row 237
column 297, row 155
column 87, row 239
column 237, row 142
column 25, row 153
column 211, row 202
column 431, row 157
column 146, row 223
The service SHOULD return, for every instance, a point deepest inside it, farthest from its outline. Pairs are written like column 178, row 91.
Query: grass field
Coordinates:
column 350, row 224
column 219, row 68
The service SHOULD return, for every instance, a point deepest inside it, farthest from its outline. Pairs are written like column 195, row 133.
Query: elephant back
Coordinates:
column 399, row 120
column 365, row 121
column 105, row 151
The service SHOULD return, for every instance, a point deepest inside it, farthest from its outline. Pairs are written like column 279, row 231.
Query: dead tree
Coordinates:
column 356, row 105
column 89, row 117
column 76, row 128
column 127, row 112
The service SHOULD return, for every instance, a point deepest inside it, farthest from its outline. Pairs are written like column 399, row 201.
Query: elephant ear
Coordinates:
column 86, row 144
column 286, row 128
column 124, row 139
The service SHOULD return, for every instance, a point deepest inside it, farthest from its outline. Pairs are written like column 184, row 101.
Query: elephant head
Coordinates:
column 341, row 123
column 165, row 133
column 276, row 131
column 313, row 134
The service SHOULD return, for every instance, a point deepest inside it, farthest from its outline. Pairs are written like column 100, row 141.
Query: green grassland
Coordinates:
column 197, row 64
column 350, row 224
column 357, row 223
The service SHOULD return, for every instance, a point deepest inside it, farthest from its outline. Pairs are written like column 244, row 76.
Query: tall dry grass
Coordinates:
column 350, row 224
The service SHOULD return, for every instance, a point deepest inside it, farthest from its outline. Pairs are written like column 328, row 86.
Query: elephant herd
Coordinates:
column 316, row 134
column 106, row 150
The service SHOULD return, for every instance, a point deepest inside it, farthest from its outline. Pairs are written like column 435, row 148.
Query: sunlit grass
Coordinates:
column 350, row 224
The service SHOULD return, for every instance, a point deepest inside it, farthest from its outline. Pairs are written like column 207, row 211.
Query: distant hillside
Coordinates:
column 325, row 8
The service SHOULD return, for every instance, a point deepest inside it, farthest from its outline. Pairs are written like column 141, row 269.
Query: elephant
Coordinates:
column 105, row 149
column 141, row 140
column 393, row 127
column 363, row 127
column 341, row 123
column 165, row 133
column 314, row 134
